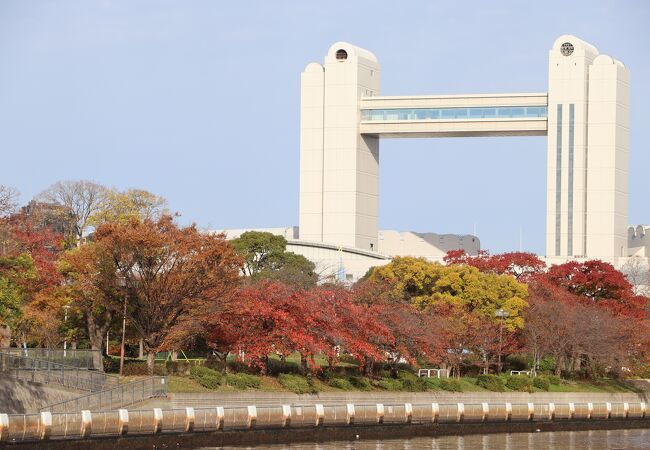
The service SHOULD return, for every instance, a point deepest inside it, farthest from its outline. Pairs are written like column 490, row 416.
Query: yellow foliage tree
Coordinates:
column 132, row 204
column 426, row 284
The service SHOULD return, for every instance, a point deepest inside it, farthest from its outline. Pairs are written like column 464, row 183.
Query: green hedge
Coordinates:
column 491, row 382
column 341, row 383
column 541, row 383
column 553, row 379
column 412, row 383
column 206, row 377
column 522, row 383
column 390, row 384
column 296, row 383
column 450, row 384
column 360, row 383
column 243, row 381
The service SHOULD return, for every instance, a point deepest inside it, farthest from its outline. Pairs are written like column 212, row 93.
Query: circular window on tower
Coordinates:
column 566, row 49
column 341, row 55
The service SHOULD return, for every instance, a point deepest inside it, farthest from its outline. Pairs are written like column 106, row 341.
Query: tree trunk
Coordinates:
column 151, row 356
column 141, row 349
column 558, row 367
column 303, row 364
column 5, row 336
column 368, row 366
column 96, row 334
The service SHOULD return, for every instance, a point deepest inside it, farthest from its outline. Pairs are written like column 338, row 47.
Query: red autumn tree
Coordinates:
column 599, row 283
column 521, row 265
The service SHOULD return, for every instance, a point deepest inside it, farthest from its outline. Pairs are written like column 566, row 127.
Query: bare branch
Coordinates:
column 8, row 200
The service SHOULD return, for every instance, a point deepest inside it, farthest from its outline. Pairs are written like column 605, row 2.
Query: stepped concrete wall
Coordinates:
column 21, row 396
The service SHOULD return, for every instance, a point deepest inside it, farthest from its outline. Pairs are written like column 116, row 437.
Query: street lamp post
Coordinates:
column 501, row 314
column 66, row 308
column 122, row 282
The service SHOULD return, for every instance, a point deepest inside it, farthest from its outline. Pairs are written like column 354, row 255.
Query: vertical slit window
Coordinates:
column 558, row 181
column 570, row 185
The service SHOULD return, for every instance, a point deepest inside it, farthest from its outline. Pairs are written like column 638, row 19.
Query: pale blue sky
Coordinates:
column 198, row 101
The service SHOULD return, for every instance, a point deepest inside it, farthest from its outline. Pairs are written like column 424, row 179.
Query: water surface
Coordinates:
column 560, row 440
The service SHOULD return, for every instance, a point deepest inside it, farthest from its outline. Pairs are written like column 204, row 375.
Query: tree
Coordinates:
column 94, row 289
column 168, row 272
column 132, row 204
column 521, row 265
column 265, row 257
column 29, row 257
column 579, row 335
column 426, row 284
column 16, row 273
column 8, row 198
column 82, row 198
column 637, row 271
column 599, row 283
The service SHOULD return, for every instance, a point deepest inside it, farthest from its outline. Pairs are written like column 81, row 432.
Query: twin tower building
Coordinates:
column 584, row 114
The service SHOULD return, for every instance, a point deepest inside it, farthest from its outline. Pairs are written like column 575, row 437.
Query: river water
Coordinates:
column 561, row 440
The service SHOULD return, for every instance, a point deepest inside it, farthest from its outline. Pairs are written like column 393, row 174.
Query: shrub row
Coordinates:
column 243, row 381
column 522, row 383
column 296, row 384
column 206, row 377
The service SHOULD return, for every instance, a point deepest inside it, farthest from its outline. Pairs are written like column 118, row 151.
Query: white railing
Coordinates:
column 433, row 373
column 84, row 424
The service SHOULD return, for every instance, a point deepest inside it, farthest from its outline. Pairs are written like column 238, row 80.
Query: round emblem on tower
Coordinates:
column 566, row 49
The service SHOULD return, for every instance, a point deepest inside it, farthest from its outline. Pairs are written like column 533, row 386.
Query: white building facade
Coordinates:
column 585, row 115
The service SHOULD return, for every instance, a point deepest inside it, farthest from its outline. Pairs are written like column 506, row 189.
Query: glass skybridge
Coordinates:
column 472, row 113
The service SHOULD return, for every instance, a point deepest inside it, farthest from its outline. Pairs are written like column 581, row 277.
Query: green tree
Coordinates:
column 16, row 272
column 266, row 257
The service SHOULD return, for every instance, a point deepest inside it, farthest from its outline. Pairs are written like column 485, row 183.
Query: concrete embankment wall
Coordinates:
column 349, row 433
column 210, row 399
column 20, row 396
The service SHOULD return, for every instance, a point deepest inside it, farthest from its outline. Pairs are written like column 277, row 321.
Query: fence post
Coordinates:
column 189, row 420
column 320, row 415
column 286, row 415
column 435, row 412
column 252, row 416
column 408, row 412
column 4, row 427
column 349, row 413
column 220, row 415
column 86, row 423
column 485, row 409
column 122, row 421
column 380, row 413
column 45, row 426
column 157, row 420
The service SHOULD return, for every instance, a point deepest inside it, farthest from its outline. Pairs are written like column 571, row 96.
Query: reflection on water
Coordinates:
column 562, row 440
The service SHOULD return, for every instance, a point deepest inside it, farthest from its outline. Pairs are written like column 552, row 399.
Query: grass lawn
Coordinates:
column 183, row 384
column 605, row 385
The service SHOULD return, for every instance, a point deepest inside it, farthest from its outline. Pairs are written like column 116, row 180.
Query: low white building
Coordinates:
column 334, row 262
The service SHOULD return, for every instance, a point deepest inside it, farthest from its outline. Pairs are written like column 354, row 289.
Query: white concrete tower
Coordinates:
column 339, row 167
column 587, row 163
column 608, row 137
